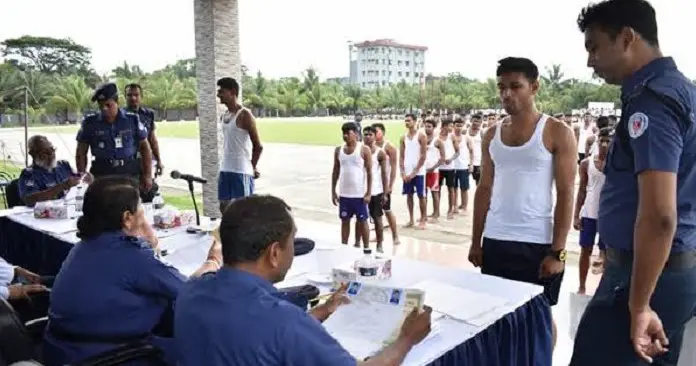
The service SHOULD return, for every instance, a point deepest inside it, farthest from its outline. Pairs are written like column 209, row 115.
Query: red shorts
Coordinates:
column 432, row 181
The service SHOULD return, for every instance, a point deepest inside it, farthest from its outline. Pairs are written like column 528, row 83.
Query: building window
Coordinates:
column 399, row 63
column 399, row 74
column 407, row 74
column 407, row 63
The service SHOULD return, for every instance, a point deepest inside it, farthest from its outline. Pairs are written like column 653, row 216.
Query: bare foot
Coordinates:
column 450, row 216
column 396, row 241
column 410, row 224
column 462, row 208
column 434, row 219
column 421, row 225
column 379, row 248
column 356, row 245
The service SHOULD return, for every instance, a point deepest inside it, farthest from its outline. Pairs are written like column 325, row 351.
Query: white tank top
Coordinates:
column 236, row 153
column 462, row 162
column 432, row 155
column 352, row 181
column 476, row 147
column 595, row 181
column 377, row 186
column 449, row 152
column 521, row 206
column 412, row 154
column 585, row 133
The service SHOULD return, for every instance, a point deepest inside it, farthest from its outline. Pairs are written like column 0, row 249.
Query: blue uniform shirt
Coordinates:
column 147, row 118
column 109, row 286
column 656, row 132
column 236, row 318
column 35, row 179
column 117, row 140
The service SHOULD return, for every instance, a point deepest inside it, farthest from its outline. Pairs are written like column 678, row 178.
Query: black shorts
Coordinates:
column 476, row 173
column 448, row 177
column 520, row 261
column 386, row 206
column 375, row 206
column 461, row 180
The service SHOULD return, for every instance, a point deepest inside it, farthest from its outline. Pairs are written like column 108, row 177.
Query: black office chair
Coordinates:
column 5, row 179
column 20, row 342
column 12, row 197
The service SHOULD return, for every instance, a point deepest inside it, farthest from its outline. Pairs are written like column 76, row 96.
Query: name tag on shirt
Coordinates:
column 118, row 142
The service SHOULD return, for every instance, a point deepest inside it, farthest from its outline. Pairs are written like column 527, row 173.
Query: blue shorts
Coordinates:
column 416, row 185
column 234, row 185
column 352, row 206
column 461, row 179
column 588, row 233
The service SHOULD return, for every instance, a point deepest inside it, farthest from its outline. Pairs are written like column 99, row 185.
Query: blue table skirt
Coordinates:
column 521, row 338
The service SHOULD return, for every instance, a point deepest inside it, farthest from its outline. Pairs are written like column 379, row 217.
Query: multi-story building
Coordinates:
column 385, row 62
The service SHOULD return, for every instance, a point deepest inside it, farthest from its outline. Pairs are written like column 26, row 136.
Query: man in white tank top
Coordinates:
column 353, row 168
column 242, row 146
column 462, row 166
column 451, row 147
column 475, row 131
column 380, row 180
column 587, row 205
column 392, row 167
column 592, row 143
column 434, row 158
column 412, row 150
column 587, row 130
column 517, row 233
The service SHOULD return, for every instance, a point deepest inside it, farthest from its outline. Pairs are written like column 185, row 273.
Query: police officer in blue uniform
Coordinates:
column 112, row 289
column 237, row 317
column 134, row 94
column 115, row 137
column 46, row 179
column 647, row 213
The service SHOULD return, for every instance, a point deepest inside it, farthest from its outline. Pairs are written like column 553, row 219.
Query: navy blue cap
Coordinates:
column 104, row 92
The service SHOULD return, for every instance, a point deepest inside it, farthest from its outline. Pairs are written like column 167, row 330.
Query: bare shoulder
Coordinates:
column 337, row 150
column 557, row 128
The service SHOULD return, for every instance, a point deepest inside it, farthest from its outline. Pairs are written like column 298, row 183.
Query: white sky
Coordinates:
column 284, row 37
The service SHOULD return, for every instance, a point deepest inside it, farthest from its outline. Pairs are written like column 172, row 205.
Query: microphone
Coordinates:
column 187, row 177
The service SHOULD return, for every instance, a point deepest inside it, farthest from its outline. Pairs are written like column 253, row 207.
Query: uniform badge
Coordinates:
column 29, row 183
column 637, row 124
column 101, row 145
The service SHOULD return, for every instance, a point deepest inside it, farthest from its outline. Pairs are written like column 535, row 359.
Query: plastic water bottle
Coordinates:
column 367, row 267
column 158, row 202
column 79, row 198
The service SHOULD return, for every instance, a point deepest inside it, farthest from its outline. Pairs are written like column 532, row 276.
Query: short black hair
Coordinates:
column 568, row 114
column 105, row 201
column 602, row 122
column 445, row 121
column 413, row 116
column 369, row 129
column 133, row 86
column 458, row 119
column 477, row 116
column 229, row 84
column 350, row 126
column 431, row 121
column 613, row 117
column 611, row 16
column 606, row 132
column 251, row 224
column 518, row 64
column 380, row 126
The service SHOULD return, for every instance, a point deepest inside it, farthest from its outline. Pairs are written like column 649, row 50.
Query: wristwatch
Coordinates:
column 558, row 254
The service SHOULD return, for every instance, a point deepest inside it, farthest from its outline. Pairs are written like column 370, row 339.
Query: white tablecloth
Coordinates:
column 187, row 251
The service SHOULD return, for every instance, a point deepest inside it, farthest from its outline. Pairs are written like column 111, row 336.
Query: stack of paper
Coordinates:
column 373, row 318
column 459, row 303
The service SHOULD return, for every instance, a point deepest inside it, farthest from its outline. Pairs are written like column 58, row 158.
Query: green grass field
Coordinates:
column 181, row 201
column 309, row 131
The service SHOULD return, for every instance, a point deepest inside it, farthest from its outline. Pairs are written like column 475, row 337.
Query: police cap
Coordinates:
column 105, row 92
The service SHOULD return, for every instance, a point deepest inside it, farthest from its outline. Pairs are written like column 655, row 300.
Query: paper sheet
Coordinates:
column 459, row 303
column 372, row 319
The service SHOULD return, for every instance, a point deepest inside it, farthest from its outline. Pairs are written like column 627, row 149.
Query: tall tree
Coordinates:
column 47, row 54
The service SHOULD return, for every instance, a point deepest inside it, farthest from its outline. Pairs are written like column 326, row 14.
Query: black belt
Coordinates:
column 115, row 162
column 676, row 261
column 63, row 335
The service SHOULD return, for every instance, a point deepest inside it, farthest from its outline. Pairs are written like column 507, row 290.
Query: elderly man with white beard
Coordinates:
column 46, row 178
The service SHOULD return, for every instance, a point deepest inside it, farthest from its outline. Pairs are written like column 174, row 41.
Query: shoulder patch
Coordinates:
column 637, row 124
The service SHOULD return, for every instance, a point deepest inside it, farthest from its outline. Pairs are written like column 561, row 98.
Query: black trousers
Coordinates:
column 130, row 168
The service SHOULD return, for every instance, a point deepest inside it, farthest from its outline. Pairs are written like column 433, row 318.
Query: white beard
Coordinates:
column 48, row 166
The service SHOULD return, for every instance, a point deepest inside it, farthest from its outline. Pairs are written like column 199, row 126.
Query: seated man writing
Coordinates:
column 234, row 316
column 46, row 179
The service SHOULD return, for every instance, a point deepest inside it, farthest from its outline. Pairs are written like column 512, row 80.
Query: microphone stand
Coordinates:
column 195, row 206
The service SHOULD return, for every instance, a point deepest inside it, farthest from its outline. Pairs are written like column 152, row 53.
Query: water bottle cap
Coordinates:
column 367, row 251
